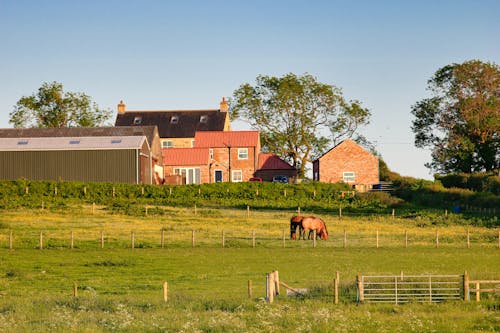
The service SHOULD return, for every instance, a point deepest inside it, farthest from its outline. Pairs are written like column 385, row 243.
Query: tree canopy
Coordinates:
column 52, row 107
column 461, row 121
column 298, row 117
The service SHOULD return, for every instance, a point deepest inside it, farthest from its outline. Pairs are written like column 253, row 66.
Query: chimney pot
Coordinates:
column 121, row 107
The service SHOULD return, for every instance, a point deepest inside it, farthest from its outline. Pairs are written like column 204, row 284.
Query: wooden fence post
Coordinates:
column 284, row 244
column 11, row 241
column 26, row 190
column 499, row 239
column 248, row 211
column 250, row 296
column 114, row 191
column 361, row 293
column 55, row 191
column 165, row 291
column 446, row 213
column 466, row 287
column 314, row 194
column 478, row 292
column 102, row 239
column 284, row 193
column 132, row 240
column 192, row 238
column 340, row 212
column 162, row 238
column 170, row 191
column 41, row 240
column 93, row 208
column 336, row 288
column 85, row 191
column 43, row 204
column 75, row 289
column 393, row 213
column 406, row 238
column 142, row 190
column 276, row 283
column 195, row 211
column 314, row 238
column 468, row 238
column 72, row 240
column 377, row 238
column 146, row 210
column 223, row 239
column 437, row 238
column 298, row 210
column 253, row 238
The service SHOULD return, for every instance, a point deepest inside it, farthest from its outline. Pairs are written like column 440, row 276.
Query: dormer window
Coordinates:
column 74, row 142
column 174, row 120
column 204, row 119
column 24, row 142
column 137, row 120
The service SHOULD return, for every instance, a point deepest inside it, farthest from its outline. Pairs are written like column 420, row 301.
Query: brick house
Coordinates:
column 177, row 128
column 350, row 163
column 233, row 155
column 186, row 165
column 270, row 165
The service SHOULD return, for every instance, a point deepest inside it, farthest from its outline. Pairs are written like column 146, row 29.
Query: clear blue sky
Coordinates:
column 188, row 54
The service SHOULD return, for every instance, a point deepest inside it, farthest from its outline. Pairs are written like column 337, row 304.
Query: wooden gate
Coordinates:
column 409, row 288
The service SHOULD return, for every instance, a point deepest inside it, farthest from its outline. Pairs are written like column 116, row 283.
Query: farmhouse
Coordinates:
column 125, row 159
column 177, row 128
column 347, row 162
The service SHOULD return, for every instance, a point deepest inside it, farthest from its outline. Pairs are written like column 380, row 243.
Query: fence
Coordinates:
column 410, row 288
column 228, row 238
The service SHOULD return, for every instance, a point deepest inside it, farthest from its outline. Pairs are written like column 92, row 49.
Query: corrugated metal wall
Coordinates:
column 73, row 165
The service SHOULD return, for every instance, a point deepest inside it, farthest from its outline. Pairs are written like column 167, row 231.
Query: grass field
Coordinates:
column 120, row 289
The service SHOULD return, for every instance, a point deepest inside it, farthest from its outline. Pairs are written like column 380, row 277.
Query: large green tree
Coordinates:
column 52, row 107
column 461, row 121
column 298, row 117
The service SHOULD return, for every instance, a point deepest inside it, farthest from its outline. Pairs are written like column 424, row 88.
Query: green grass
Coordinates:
column 120, row 289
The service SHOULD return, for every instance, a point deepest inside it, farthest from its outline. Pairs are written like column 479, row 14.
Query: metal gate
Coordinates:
column 409, row 288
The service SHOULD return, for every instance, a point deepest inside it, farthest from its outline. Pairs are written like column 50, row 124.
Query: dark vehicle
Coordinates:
column 255, row 179
column 280, row 179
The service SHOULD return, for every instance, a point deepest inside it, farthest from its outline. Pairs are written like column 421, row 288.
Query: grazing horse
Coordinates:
column 295, row 222
column 312, row 223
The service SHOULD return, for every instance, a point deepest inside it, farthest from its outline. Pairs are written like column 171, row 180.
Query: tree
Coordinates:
column 461, row 122
column 298, row 117
column 52, row 107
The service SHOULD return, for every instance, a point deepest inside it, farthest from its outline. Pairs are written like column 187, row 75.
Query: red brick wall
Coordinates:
column 221, row 162
column 348, row 156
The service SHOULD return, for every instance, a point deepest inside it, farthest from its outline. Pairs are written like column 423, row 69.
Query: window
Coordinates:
column 204, row 119
column 192, row 143
column 74, row 142
column 116, row 141
column 137, row 120
column 22, row 142
column 191, row 175
column 174, row 120
column 167, row 144
column 211, row 153
column 243, row 153
column 237, row 176
column 349, row 177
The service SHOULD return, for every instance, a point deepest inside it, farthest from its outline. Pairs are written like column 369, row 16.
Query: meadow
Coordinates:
column 121, row 289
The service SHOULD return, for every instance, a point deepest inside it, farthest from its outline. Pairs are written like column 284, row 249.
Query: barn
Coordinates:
column 121, row 159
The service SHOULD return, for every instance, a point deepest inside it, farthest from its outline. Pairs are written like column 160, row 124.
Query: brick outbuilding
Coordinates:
column 350, row 163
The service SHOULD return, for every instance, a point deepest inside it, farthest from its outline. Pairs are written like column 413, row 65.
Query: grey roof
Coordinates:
column 184, row 125
column 71, row 143
column 148, row 131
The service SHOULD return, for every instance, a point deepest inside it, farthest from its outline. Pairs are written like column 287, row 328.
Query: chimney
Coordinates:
column 121, row 107
column 224, row 107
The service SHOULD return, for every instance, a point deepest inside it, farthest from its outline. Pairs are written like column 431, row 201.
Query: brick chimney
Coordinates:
column 224, row 107
column 121, row 107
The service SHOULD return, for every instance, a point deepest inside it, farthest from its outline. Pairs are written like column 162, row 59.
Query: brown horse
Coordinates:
column 312, row 224
column 295, row 222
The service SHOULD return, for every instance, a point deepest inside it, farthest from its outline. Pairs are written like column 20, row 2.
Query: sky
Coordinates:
column 161, row 55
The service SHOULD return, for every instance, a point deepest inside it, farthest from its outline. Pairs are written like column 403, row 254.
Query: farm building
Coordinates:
column 270, row 166
column 150, row 132
column 177, row 128
column 124, row 159
column 186, row 165
column 350, row 163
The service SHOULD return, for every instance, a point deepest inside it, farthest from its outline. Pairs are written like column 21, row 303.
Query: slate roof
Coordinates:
column 185, row 156
column 270, row 161
column 226, row 139
column 184, row 125
column 148, row 131
column 72, row 143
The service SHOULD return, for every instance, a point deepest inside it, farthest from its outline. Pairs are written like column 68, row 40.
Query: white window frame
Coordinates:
column 243, row 153
column 191, row 174
column 235, row 178
column 167, row 144
column 348, row 176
